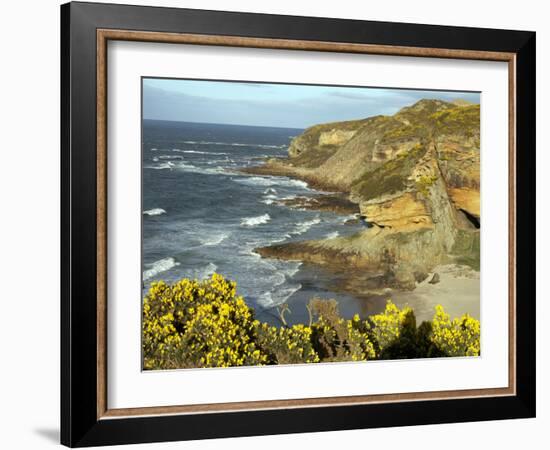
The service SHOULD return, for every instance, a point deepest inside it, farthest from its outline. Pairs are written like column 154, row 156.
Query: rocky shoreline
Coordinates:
column 337, row 203
column 414, row 179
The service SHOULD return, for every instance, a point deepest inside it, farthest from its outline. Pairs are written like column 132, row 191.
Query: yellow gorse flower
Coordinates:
column 387, row 325
column 458, row 337
column 198, row 324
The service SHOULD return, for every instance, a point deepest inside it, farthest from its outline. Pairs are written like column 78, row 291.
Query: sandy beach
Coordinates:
column 458, row 291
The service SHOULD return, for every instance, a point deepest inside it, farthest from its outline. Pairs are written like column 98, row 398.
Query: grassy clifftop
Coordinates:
column 338, row 154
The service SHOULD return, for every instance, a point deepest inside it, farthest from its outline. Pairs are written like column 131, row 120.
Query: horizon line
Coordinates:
column 227, row 124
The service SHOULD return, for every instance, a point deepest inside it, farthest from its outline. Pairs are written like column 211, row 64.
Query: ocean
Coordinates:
column 201, row 215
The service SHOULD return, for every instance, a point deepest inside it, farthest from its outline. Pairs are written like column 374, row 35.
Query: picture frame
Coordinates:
column 86, row 29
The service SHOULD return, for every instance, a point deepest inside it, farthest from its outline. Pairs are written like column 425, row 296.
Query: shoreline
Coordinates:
column 458, row 291
column 282, row 168
column 349, row 272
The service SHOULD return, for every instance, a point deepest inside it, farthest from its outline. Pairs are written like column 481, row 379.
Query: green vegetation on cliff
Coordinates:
column 459, row 120
column 404, row 133
column 389, row 178
column 341, row 153
column 205, row 324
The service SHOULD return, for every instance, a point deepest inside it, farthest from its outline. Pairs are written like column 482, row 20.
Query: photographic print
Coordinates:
column 293, row 224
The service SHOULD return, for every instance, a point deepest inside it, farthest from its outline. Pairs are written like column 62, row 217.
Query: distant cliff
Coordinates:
column 415, row 177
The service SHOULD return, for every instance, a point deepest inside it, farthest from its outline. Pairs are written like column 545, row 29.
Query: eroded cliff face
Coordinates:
column 415, row 177
column 319, row 142
column 404, row 212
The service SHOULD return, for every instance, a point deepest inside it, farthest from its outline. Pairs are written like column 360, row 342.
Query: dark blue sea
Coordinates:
column 200, row 215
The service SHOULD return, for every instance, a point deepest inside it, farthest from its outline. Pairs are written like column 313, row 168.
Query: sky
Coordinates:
column 275, row 105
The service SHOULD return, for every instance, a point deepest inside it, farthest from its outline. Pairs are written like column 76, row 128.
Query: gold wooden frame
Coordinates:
column 103, row 36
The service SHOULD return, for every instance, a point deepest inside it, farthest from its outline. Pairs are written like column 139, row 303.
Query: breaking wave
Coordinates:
column 184, row 167
column 272, row 181
column 214, row 240
column 233, row 144
column 302, row 227
column 254, row 221
column 162, row 265
column 154, row 212
column 170, row 157
column 203, row 272
column 274, row 298
column 199, row 152
column 165, row 165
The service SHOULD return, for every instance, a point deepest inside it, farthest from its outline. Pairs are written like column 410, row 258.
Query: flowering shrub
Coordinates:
column 338, row 339
column 458, row 337
column 287, row 345
column 388, row 325
column 194, row 324
column 205, row 324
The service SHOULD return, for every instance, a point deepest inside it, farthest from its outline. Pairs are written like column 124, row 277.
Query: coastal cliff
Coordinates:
column 414, row 178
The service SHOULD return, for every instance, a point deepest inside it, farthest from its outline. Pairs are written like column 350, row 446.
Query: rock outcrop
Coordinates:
column 415, row 178
column 403, row 212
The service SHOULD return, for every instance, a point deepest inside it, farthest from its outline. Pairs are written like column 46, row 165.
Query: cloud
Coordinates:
column 351, row 95
column 287, row 111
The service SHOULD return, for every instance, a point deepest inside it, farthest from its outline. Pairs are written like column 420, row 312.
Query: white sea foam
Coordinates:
column 218, row 170
column 218, row 161
column 272, row 181
column 248, row 250
column 270, row 191
column 159, row 266
column 184, row 167
column 153, row 149
column 344, row 219
column 266, row 146
column 170, row 157
column 265, row 300
column 268, row 199
column 256, row 181
column 198, row 152
column 214, row 239
column 204, row 272
column 332, row 235
column 233, row 144
column 161, row 166
column 254, row 221
column 282, row 294
column 277, row 297
column 302, row 227
column 292, row 268
column 281, row 239
column 201, row 273
column 276, row 278
column 154, row 212
column 293, row 183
